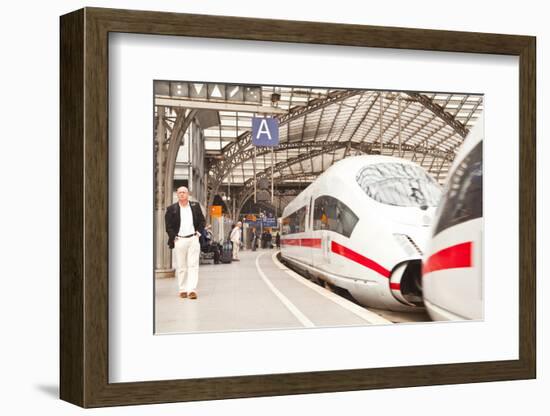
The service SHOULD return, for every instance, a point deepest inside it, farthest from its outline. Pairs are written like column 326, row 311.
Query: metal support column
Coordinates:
column 380, row 121
column 165, row 160
column 254, row 168
column 189, row 161
column 163, row 266
column 399, row 123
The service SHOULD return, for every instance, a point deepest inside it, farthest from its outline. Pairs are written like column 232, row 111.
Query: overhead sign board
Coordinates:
column 215, row 211
column 265, row 131
column 265, row 222
column 269, row 222
column 210, row 91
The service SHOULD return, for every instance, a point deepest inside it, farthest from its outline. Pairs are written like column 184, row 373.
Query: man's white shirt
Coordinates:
column 235, row 234
column 186, row 220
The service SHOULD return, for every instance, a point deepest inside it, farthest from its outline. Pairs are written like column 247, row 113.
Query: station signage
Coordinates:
column 265, row 131
column 216, row 211
column 261, row 222
column 239, row 94
column 269, row 222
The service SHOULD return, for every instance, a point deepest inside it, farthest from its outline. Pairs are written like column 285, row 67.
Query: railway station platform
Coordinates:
column 257, row 292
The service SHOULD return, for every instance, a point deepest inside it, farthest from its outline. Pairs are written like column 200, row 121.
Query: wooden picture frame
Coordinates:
column 84, row 207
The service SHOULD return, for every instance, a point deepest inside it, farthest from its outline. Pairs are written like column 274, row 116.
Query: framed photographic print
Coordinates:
column 255, row 207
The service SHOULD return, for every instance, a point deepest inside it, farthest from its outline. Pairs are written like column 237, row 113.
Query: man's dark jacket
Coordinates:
column 172, row 220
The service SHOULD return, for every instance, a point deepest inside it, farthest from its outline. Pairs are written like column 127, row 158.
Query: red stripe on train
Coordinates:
column 358, row 258
column 303, row 242
column 453, row 257
column 311, row 242
column 341, row 250
column 395, row 286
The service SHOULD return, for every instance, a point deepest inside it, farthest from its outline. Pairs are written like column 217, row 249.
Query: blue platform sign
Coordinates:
column 269, row 222
column 265, row 131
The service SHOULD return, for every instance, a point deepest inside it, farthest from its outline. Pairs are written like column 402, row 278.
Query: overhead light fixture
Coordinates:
column 275, row 98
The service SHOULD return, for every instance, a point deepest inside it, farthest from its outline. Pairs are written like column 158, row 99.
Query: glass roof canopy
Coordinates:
column 319, row 126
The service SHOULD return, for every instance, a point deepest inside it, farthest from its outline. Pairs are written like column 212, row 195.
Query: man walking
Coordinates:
column 235, row 238
column 184, row 224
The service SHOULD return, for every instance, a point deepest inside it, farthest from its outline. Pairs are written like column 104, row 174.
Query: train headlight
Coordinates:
column 408, row 244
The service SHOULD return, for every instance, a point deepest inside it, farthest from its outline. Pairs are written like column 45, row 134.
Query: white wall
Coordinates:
column 29, row 220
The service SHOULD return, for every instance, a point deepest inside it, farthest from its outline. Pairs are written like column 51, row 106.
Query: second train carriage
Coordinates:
column 362, row 226
column 452, row 271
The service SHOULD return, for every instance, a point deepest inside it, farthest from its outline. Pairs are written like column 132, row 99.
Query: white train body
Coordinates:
column 452, row 278
column 362, row 226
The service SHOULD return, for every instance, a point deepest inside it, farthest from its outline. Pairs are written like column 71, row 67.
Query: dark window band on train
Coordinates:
column 332, row 214
column 463, row 196
column 399, row 184
column 295, row 222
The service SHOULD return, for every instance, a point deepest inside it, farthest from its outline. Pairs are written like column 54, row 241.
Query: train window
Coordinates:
column 399, row 184
column 332, row 214
column 295, row 222
column 462, row 200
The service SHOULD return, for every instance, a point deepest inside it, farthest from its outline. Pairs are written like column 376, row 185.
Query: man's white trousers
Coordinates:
column 187, row 252
column 236, row 248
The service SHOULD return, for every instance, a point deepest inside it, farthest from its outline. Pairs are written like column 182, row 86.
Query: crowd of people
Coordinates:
column 264, row 240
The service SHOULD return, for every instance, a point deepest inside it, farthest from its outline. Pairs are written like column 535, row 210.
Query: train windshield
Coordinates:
column 463, row 199
column 399, row 184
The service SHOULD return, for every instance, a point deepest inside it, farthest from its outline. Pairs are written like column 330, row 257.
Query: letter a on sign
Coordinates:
column 265, row 131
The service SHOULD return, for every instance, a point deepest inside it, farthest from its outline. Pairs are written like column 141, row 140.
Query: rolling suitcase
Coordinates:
column 227, row 252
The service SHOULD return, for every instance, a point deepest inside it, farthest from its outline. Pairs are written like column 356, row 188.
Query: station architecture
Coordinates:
column 203, row 139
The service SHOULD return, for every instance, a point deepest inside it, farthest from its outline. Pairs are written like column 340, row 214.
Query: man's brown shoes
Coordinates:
column 190, row 295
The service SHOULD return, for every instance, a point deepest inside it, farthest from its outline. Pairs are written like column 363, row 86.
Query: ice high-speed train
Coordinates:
column 362, row 226
column 452, row 269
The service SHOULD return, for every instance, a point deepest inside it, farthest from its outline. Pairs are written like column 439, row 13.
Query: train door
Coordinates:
column 310, row 232
column 326, row 247
column 322, row 234
column 317, row 235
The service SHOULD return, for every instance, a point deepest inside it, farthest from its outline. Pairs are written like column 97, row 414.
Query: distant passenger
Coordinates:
column 254, row 240
column 278, row 240
column 208, row 245
column 235, row 238
column 324, row 221
column 184, row 224
column 266, row 239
